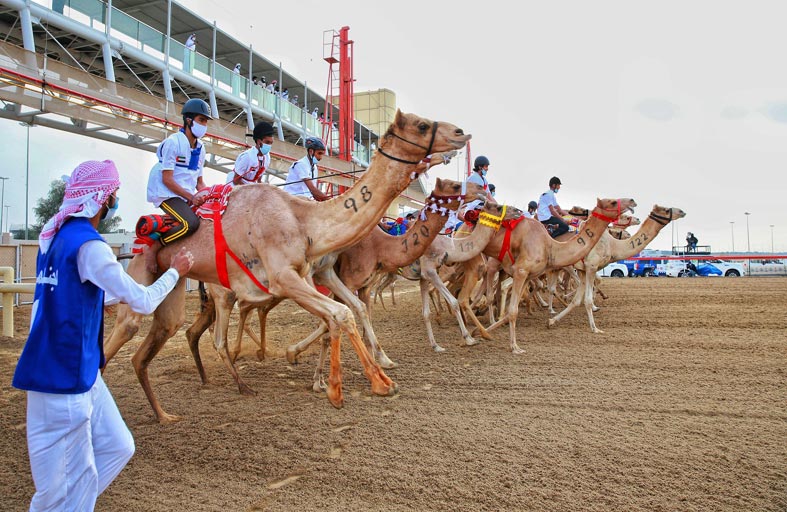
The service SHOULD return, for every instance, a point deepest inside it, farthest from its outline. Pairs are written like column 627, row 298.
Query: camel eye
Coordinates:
column 456, row 187
column 422, row 127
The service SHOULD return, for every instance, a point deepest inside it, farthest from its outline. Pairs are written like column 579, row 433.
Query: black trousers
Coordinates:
column 562, row 227
column 181, row 212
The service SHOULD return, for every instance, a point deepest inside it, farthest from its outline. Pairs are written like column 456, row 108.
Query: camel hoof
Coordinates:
column 336, row 398
column 485, row 334
column 165, row 419
column 598, row 331
column 595, row 309
column 517, row 350
column 469, row 342
column 246, row 390
column 387, row 363
column 438, row 349
column 551, row 322
column 319, row 387
column 260, row 355
column 292, row 356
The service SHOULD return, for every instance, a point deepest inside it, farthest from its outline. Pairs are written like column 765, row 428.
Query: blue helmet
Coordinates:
column 314, row 143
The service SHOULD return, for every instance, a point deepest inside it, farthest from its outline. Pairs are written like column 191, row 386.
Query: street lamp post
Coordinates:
column 27, row 179
column 6, row 207
column 2, row 201
column 748, row 240
column 732, row 234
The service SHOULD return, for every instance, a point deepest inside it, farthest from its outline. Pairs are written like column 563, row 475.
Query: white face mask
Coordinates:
column 198, row 130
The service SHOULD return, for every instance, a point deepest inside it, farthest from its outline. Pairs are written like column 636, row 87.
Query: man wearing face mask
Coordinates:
column 301, row 180
column 176, row 178
column 77, row 440
column 549, row 212
column 251, row 164
column 480, row 168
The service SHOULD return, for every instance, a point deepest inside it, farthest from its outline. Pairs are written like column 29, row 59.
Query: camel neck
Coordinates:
column 467, row 248
column 566, row 253
column 350, row 216
column 407, row 248
column 622, row 249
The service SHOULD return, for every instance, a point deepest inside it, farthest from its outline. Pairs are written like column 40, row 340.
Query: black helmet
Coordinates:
column 314, row 143
column 480, row 161
column 491, row 187
column 533, row 205
column 196, row 106
column 554, row 181
column 262, row 129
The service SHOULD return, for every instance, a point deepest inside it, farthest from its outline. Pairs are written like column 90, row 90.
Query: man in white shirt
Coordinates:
column 251, row 164
column 302, row 178
column 480, row 168
column 77, row 440
column 188, row 53
column 176, row 178
column 549, row 212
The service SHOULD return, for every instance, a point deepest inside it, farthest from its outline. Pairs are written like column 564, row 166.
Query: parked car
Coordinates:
column 703, row 268
column 643, row 268
column 616, row 269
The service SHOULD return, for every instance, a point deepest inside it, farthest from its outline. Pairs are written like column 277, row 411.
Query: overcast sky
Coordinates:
column 677, row 103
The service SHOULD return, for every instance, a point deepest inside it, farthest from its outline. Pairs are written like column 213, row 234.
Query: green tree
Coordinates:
column 46, row 208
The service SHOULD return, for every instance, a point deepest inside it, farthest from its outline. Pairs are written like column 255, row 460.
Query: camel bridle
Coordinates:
column 660, row 218
column 428, row 149
column 433, row 203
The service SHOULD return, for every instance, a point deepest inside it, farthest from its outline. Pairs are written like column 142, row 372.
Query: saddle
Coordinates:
column 150, row 228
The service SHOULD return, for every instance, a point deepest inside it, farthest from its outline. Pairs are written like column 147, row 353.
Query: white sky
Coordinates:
column 677, row 103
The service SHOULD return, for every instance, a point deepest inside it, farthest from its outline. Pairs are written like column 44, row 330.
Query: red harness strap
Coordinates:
column 506, row 248
column 222, row 250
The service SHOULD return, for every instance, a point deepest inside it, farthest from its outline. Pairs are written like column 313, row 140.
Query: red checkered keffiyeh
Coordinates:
column 87, row 189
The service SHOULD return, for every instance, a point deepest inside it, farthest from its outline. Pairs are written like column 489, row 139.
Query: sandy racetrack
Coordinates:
column 680, row 405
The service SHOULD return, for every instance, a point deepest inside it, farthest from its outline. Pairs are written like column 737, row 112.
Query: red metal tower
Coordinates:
column 338, row 49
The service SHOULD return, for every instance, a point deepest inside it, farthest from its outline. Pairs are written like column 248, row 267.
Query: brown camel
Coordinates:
column 446, row 195
column 358, row 267
column 447, row 250
column 278, row 242
column 531, row 252
column 608, row 250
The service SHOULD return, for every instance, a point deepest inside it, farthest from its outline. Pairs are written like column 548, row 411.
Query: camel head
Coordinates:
column 410, row 139
column 578, row 211
column 626, row 220
column 613, row 208
column 664, row 215
column 501, row 211
column 449, row 193
column 619, row 233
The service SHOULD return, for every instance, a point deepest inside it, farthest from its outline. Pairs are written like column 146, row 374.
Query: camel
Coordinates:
column 531, row 251
column 277, row 237
column 608, row 250
column 447, row 195
column 359, row 267
column 447, row 250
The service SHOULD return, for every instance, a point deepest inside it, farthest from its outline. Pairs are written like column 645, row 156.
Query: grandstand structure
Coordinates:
column 118, row 70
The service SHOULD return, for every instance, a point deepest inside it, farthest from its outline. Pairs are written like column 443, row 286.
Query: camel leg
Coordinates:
column 513, row 309
column 127, row 322
column 425, row 298
column 224, row 306
column 590, row 275
column 293, row 351
column 318, row 386
column 470, row 280
column 339, row 319
column 576, row 301
column 167, row 319
column 262, row 317
column 204, row 319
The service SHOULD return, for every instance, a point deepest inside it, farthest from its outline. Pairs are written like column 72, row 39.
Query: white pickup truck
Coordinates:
column 614, row 269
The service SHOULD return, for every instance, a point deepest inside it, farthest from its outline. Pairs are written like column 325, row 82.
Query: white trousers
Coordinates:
column 78, row 444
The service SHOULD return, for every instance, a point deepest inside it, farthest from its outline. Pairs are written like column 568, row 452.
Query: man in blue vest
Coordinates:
column 76, row 438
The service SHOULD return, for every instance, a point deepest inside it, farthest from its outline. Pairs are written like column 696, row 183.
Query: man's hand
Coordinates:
column 182, row 261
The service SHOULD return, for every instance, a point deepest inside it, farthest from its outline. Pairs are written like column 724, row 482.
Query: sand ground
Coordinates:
column 679, row 405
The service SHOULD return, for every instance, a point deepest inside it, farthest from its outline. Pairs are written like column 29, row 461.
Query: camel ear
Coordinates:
column 399, row 120
column 598, row 202
column 438, row 184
